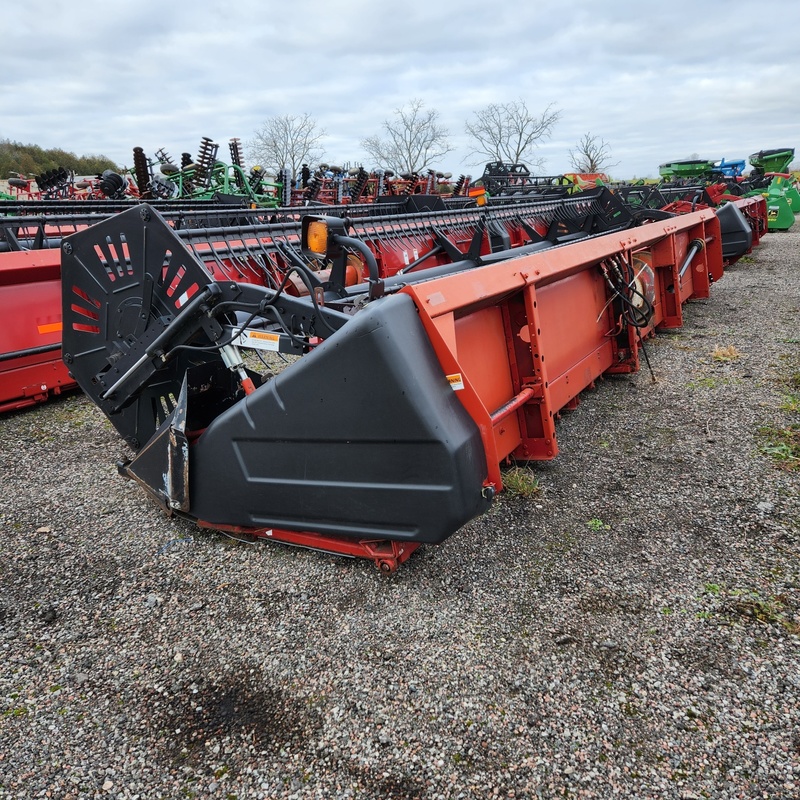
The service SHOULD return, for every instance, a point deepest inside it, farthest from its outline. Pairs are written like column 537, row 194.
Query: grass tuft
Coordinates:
column 725, row 354
column 521, row 482
column 782, row 445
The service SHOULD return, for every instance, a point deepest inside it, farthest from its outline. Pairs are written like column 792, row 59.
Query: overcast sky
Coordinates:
column 658, row 81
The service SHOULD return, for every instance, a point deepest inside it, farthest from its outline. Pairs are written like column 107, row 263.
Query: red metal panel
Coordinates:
column 524, row 337
column 30, row 336
column 482, row 351
column 576, row 326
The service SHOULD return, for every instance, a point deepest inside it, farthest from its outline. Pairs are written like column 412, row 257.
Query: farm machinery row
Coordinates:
column 684, row 184
column 352, row 377
column 208, row 178
column 30, row 259
column 769, row 177
column 203, row 178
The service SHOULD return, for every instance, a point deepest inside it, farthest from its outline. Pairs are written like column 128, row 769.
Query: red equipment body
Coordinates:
column 397, row 241
column 30, row 366
column 391, row 429
column 31, row 369
column 521, row 339
column 754, row 208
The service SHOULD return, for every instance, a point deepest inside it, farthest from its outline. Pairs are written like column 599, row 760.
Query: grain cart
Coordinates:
column 687, row 169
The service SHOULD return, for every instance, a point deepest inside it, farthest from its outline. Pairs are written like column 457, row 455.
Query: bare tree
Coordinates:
column 509, row 132
column 287, row 141
column 414, row 140
column 591, row 154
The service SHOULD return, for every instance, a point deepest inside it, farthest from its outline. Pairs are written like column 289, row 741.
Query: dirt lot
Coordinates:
column 630, row 631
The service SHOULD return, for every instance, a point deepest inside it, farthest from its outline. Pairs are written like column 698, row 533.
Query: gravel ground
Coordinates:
column 631, row 631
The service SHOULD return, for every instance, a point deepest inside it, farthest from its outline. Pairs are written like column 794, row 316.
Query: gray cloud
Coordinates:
column 657, row 81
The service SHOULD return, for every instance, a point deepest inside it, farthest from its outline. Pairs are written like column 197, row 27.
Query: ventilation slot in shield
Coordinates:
column 86, row 309
column 175, row 290
column 113, row 257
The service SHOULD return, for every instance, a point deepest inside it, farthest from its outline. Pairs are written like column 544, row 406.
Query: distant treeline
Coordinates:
column 30, row 160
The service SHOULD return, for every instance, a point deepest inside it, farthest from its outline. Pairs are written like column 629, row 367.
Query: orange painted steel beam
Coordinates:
column 530, row 333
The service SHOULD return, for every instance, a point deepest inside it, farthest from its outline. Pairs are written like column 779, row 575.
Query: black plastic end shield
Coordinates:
column 363, row 438
column 737, row 237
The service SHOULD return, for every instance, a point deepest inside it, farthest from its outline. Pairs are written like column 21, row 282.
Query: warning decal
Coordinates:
column 259, row 340
column 456, row 381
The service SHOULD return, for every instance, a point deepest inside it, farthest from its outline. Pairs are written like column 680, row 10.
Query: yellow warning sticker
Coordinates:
column 456, row 381
column 259, row 340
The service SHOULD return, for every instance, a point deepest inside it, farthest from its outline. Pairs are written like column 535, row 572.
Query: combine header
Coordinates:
column 501, row 179
column 405, row 391
column 743, row 220
column 402, row 238
column 31, row 368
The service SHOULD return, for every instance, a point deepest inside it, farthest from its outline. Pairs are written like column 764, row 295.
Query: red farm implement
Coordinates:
column 408, row 389
column 258, row 246
column 31, row 369
column 743, row 219
column 334, row 185
column 21, row 188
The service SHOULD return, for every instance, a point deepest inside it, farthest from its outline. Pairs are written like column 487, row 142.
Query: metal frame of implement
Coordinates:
column 246, row 245
column 31, row 369
column 390, row 430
